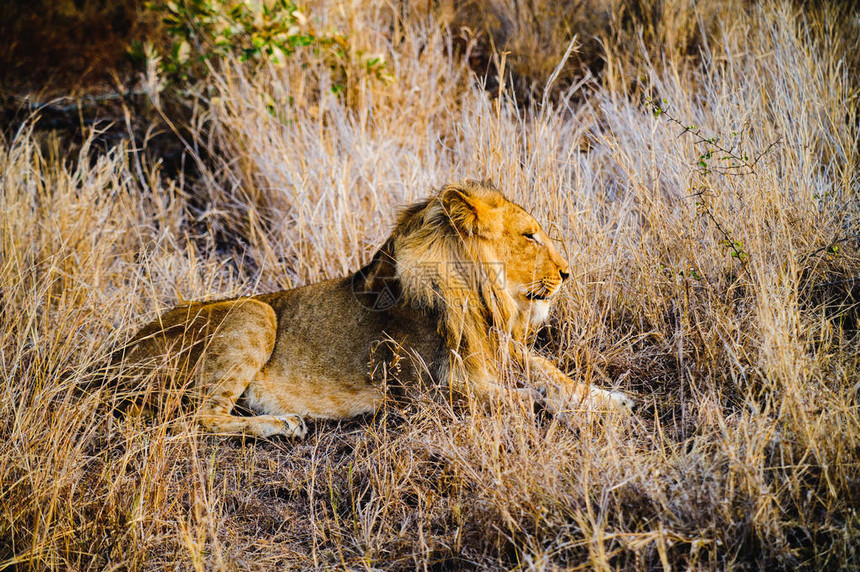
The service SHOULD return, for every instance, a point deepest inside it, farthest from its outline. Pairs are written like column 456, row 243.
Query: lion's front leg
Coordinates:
column 487, row 390
column 565, row 395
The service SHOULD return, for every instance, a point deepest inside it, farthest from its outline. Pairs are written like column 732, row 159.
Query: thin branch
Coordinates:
column 827, row 247
column 743, row 160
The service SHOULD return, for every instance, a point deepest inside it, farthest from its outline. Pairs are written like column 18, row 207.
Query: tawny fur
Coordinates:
column 466, row 276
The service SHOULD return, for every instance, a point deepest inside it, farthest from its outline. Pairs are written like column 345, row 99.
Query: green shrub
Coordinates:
column 273, row 30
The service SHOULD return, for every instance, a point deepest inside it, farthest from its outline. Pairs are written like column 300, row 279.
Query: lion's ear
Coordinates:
column 468, row 213
column 488, row 182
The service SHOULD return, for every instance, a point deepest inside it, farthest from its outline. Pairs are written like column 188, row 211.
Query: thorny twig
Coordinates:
column 828, row 247
column 740, row 165
column 739, row 159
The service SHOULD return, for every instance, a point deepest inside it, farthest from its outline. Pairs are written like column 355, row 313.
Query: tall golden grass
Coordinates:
column 725, row 299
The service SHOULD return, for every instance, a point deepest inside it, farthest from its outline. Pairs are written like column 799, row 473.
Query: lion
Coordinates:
column 465, row 277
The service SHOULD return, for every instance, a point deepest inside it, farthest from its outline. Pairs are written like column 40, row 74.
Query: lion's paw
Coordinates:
column 289, row 425
column 293, row 426
column 620, row 401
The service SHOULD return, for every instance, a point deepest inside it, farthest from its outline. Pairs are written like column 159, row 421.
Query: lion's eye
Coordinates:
column 530, row 236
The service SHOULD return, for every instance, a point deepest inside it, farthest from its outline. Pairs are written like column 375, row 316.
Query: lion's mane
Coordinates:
column 435, row 263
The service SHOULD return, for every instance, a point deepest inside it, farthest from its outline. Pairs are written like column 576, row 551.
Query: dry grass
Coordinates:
column 745, row 454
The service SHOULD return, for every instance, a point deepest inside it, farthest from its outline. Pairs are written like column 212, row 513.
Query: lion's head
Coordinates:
column 478, row 260
column 469, row 239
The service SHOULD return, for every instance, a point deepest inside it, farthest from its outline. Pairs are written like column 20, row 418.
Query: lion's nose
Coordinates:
column 564, row 274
